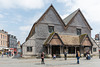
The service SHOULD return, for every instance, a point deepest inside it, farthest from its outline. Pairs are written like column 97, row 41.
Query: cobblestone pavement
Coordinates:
column 59, row 62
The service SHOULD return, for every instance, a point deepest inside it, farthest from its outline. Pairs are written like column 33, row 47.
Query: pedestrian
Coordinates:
column 42, row 58
column 65, row 55
column 78, row 56
column 88, row 57
column 7, row 54
column 2, row 53
column 54, row 56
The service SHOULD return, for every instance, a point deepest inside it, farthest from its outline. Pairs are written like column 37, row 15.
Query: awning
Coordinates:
column 1, row 48
column 11, row 48
column 6, row 48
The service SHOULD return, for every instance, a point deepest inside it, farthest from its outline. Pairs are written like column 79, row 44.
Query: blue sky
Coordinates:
column 18, row 16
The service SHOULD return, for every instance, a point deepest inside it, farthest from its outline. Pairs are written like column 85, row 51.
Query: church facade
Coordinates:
column 53, row 35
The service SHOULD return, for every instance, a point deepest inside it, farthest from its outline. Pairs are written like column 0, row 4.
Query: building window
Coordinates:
column 51, row 29
column 94, row 50
column 29, row 49
column 78, row 31
column 1, row 42
column 1, row 36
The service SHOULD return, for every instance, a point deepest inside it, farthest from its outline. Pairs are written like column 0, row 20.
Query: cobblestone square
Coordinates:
column 58, row 62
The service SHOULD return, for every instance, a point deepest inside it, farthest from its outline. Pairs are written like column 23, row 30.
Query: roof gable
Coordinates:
column 85, row 40
column 53, row 39
column 68, row 20
column 38, row 21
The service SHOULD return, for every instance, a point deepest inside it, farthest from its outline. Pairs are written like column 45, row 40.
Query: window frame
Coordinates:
column 94, row 49
column 52, row 29
column 29, row 48
column 78, row 32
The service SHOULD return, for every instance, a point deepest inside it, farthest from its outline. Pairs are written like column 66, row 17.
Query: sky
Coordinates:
column 18, row 16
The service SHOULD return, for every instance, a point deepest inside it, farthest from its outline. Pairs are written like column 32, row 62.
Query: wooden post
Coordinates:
column 75, row 50
column 60, row 49
column 48, row 49
column 80, row 47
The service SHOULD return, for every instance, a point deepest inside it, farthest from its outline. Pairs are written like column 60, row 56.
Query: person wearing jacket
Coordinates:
column 42, row 58
column 78, row 56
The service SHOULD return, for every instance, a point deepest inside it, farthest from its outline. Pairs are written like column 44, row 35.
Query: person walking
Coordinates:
column 42, row 58
column 65, row 55
column 78, row 56
column 2, row 53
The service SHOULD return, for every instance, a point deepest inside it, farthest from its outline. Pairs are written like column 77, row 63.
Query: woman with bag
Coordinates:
column 78, row 56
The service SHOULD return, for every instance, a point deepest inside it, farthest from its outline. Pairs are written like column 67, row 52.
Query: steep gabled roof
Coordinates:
column 69, row 18
column 65, row 22
column 37, row 22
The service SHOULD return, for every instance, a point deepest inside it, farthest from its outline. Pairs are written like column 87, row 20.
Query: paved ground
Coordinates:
column 59, row 62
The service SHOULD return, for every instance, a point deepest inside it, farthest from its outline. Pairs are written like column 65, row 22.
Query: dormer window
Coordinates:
column 78, row 31
column 51, row 29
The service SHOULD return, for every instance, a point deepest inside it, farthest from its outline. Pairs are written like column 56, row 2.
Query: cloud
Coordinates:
column 25, row 28
column 33, row 19
column 1, row 26
column 67, row 2
column 63, row 16
column 1, row 15
column 24, row 4
column 17, row 19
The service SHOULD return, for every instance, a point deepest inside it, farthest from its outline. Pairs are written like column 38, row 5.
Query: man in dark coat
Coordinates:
column 42, row 58
column 65, row 54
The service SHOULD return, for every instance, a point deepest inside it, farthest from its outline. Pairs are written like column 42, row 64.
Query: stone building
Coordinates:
column 97, row 40
column 12, row 43
column 3, row 40
column 54, row 35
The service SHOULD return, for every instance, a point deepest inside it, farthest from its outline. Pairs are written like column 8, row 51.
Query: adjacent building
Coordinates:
column 3, row 40
column 97, row 40
column 12, row 42
column 54, row 35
